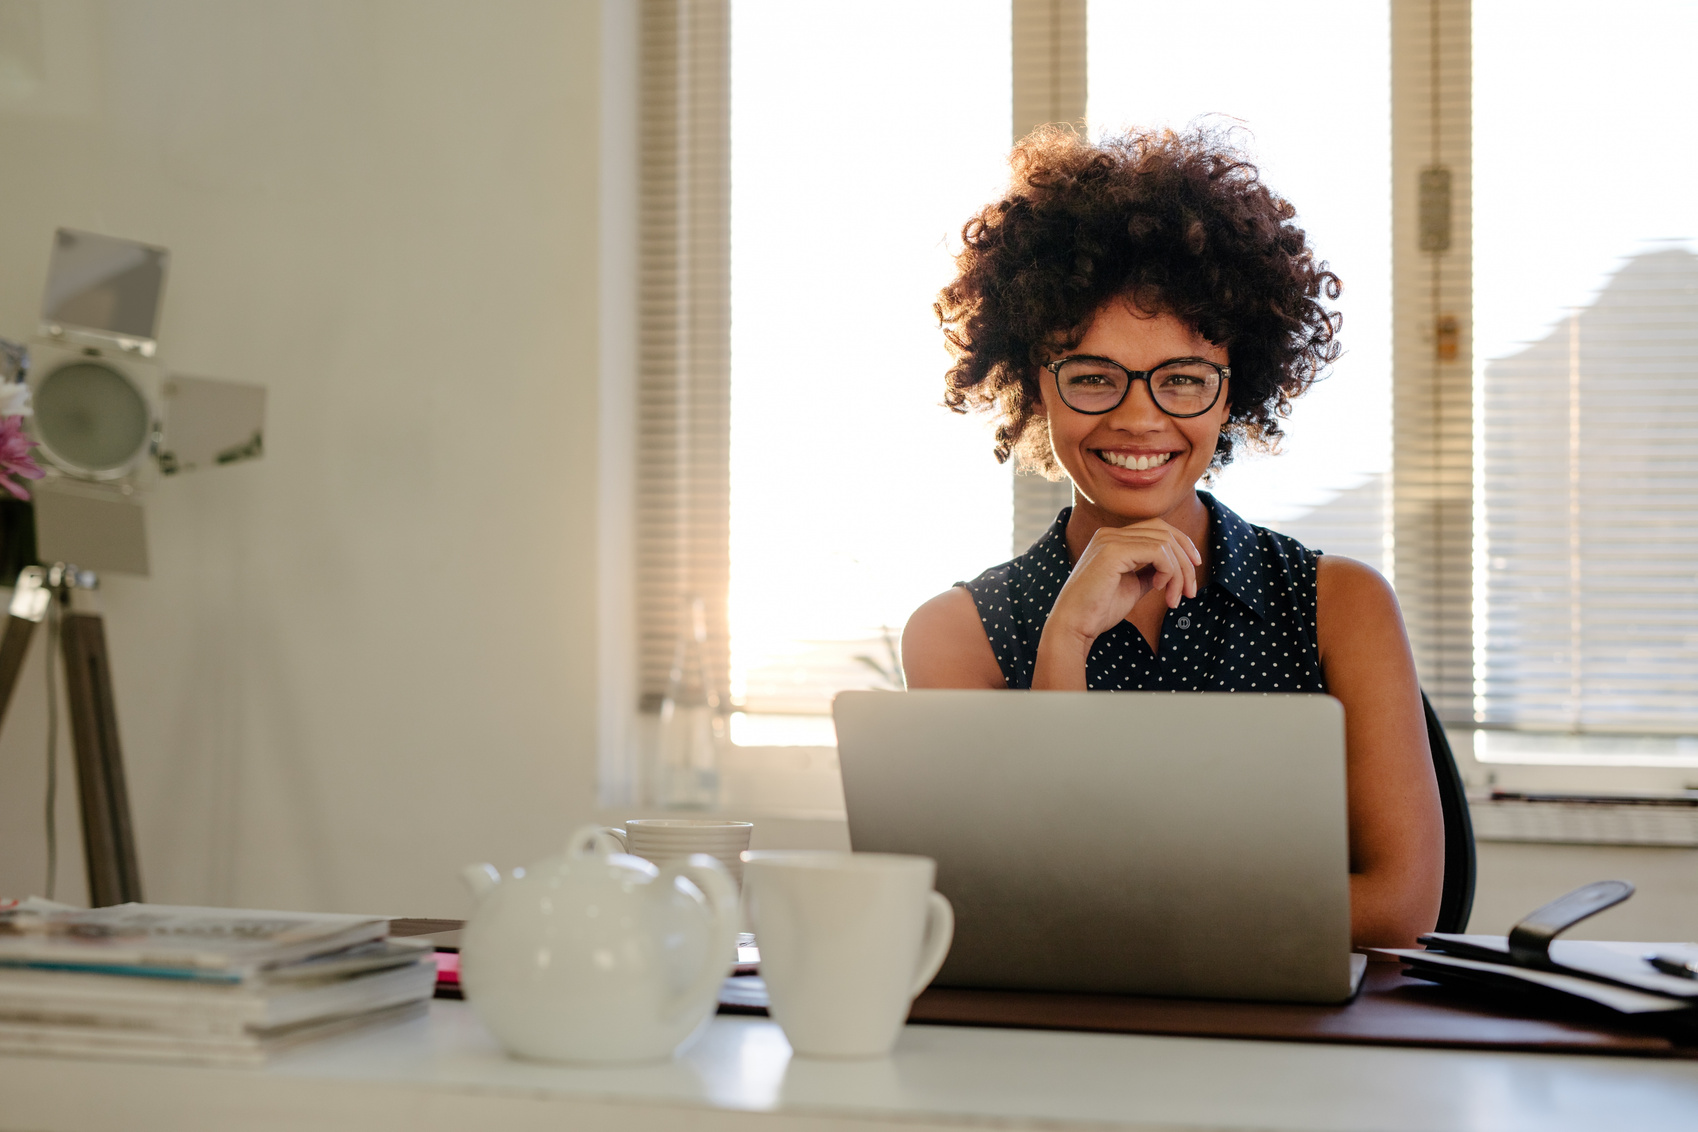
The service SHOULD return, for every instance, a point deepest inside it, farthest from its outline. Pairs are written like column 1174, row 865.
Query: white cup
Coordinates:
column 672, row 839
column 846, row 940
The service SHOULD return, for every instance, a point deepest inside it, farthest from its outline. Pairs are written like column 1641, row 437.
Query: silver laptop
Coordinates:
column 1189, row 844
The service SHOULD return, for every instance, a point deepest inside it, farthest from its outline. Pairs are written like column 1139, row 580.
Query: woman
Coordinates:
column 1132, row 312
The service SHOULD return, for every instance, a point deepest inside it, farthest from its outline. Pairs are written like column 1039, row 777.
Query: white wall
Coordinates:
column 1517, row 877
column 369, row 657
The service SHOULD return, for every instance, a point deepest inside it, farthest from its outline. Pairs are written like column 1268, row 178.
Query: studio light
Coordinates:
column 109, row 423
column 109, row 420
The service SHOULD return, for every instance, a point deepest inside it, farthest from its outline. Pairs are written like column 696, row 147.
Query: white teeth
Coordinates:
column 1136, row 463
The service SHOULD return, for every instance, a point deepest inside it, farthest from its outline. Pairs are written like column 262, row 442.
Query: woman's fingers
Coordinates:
column 1190, row 556
column 1174, row 588
column 1181, row 571
column 1162, row 582
column 1133, row 549
column 1181, row 575
column 1163, row 565
column 1186, row 553
column 1168, row 585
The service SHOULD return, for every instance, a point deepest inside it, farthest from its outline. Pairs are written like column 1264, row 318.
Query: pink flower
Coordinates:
column 15, row 456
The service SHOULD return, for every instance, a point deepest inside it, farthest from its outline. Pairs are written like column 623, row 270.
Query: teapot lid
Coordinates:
column 590, row 843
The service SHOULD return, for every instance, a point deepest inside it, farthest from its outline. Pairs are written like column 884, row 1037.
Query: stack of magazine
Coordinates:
column 206, row 985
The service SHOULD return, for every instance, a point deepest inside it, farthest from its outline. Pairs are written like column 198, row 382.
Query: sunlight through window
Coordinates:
column 1307, row 86
column 863, row 136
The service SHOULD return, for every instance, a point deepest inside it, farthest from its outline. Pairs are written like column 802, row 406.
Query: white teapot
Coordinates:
column 597, row 956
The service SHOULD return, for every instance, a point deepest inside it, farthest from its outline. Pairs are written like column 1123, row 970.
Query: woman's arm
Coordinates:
column 1396, row 826
column 944, row 645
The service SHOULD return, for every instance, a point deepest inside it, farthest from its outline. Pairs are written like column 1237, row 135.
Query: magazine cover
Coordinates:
column 172, row 940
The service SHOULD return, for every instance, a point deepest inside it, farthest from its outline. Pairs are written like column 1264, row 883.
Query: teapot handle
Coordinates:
column 720, row 895
column 592, row 841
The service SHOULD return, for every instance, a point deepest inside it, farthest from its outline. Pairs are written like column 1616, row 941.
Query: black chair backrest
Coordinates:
column 1458, row 898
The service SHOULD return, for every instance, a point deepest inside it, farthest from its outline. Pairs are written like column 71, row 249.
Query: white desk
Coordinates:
column 445, row 1072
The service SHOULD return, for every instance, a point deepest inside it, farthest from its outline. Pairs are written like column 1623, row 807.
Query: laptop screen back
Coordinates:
column 1188, row 844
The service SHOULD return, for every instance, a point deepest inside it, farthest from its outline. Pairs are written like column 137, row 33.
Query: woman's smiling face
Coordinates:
column 1136, row 462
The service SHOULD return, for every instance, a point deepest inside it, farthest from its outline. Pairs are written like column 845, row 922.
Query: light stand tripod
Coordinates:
column 109, row 847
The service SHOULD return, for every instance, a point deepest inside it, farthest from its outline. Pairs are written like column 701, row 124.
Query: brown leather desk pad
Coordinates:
column 1391, row 1010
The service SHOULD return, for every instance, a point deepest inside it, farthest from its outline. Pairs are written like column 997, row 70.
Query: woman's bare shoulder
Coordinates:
column 1351, row 582
column 1355, row 606
column 1338, row 576
column 944, row 645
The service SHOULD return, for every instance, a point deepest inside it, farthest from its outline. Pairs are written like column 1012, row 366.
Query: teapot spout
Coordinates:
column 481, row 879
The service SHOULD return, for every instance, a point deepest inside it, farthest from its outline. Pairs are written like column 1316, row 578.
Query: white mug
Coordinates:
column 846, row 941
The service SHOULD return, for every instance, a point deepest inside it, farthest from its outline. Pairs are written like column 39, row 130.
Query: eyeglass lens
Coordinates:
column 1184, row 388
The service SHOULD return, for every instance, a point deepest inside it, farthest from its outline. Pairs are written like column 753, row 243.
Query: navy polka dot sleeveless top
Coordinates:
column 1250, row 629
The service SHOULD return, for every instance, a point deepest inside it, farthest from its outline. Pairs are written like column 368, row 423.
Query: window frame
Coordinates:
column 1437, row 459
column 1434, row 398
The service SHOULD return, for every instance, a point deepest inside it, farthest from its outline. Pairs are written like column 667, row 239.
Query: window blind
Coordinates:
column 1049, row 86
column 1432, row 352
column 684, row 351
column 1587, row 590
column 1591, row 501
column 845, row 208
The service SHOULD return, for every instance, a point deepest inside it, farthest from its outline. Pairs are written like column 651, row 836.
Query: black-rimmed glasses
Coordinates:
column 1180, row 387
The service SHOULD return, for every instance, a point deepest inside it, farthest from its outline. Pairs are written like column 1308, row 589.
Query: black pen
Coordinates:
column 1668, row 965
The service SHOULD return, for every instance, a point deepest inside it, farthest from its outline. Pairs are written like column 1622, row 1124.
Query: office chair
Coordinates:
column 1457, row 900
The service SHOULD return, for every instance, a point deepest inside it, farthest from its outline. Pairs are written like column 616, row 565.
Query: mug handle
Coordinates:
column 940, row 933
column 720, row 896
column 593, row 840
column 618, row 835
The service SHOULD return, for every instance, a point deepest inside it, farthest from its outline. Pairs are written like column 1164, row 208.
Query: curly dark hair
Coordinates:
column 1178, row 223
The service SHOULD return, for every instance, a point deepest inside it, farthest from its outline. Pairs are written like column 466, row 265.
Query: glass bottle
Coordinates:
column 691, row 725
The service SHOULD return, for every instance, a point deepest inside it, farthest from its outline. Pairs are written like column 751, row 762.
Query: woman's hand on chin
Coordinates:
column 1119, row 566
